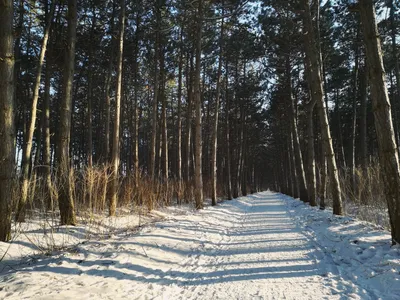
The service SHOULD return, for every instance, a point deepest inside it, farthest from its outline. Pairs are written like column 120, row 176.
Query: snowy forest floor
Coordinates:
column 263, row 246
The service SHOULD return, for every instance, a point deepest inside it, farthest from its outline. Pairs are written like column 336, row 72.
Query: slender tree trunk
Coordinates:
column 115, row 159
column 341, row 158
column 189, row 83
column 290, row 166
column 388, row 154
column 297, row 150
column 239, row 157
column 7, row 131
column 65, row 199
column 153, row 143
column 27, row 151
column 89, row 112
column 354, row 115
column 106, row 146
column 89, row 128
column 227, row 137
column 311, row 180
column 179, row 125
column 393, row 33
column 164, row 129
column 214, row 141
column 318, row 95
column 296, row 191
column 197, row 100
column 46, row 139
column 322, row 188
column 135, row 158
column 363, row 120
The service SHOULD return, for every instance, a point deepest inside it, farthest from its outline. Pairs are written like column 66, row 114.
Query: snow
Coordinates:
column 263, row 246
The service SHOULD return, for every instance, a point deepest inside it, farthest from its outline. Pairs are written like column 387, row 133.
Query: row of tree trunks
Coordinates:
column 315, row 83
column 27, row 150
column 301, row 178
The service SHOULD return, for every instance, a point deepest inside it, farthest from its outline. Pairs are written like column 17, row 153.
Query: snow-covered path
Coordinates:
column 249, row 248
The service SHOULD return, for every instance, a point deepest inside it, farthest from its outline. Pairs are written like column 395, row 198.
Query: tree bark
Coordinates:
column 388, row 155
column 7, row 132
column 65, row 199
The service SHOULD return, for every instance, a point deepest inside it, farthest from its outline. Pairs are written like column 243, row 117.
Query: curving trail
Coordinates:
column 248, row 248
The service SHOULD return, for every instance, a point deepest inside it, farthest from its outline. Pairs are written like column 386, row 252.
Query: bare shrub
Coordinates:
column 365, row 199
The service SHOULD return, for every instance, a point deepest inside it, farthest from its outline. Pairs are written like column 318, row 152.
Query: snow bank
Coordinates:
column 360, row 252
column 42, row 235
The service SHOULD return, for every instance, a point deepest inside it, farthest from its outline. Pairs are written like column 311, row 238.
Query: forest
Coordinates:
column 106, row 104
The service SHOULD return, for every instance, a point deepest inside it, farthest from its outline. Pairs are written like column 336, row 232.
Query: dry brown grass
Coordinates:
column 365, row 199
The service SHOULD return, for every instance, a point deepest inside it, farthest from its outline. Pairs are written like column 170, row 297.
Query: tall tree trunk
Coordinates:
column 179, row 125
column 296, row 188
column 324, row 175
column 363, row 120
column 318, row 95
column 115, row 159
column 388, row 154
column 354, row 115
column 297, row 150
column 27, row 151
column 393, row 33
column 106, row 146
column 227, row 137
column 7, row 132
column 239, row 169
column 89, row 127
column 341, row 159
column 290, row 166
column 153, row 142
column 164, row 129
column 46, row 138
column 135, row 158
column 214, row 141
column 189, row 84
column 65, row 199
column 89, row 138
column 197, row 100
